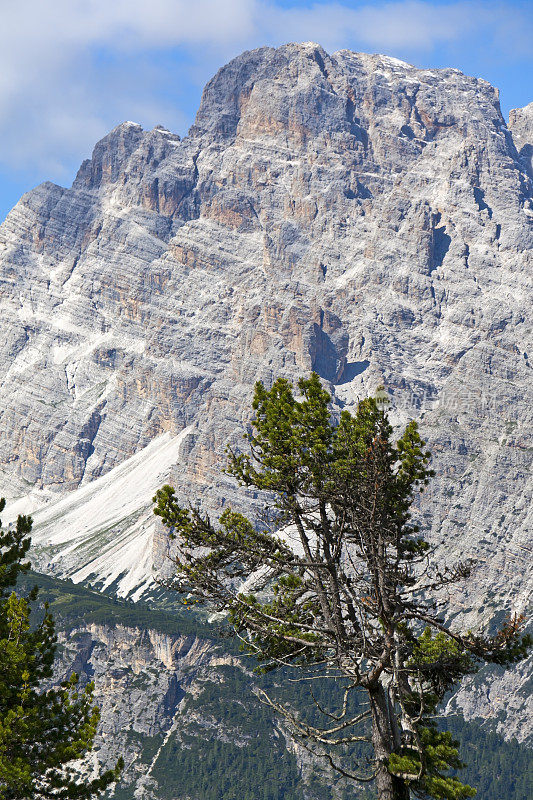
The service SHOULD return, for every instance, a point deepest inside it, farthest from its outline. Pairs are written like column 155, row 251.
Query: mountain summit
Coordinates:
column 346, row 213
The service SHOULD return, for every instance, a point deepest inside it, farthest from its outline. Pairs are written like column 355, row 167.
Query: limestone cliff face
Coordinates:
column 500, row 699
column 521, row 125
column 347, row 213
column 142, row 680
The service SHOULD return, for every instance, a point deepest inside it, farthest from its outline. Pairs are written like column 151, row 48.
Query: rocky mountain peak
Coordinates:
column 109, row 156
column 227, row 95
column 312, row 93
column 341, row 212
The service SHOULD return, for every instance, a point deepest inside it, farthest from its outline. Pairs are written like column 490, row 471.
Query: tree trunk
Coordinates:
column 383, row 725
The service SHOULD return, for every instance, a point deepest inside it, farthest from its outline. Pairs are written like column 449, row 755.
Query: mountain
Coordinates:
column 347, row 213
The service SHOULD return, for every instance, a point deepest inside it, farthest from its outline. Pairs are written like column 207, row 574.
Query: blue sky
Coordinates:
column 70, row 70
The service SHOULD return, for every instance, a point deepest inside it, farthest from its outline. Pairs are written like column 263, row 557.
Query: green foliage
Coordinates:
column 497, row 768
column 229, row 749
column 439, row 661
column 73, row 605
column 42, row 730
column 353, row 596
column 440, row 755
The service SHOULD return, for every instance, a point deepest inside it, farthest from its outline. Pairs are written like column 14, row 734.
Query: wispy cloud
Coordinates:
column 410, row 24
column 71, row 69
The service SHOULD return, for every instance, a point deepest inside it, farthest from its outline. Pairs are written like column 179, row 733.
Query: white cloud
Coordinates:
column 68, row 68
column 71, row 69
column 405, row 24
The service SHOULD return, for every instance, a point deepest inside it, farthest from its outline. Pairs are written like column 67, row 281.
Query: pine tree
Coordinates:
column 347, row 588
column 42, row 730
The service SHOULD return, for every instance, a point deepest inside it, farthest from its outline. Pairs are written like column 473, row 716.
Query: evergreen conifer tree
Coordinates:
column 345, row 587
column 42, row 730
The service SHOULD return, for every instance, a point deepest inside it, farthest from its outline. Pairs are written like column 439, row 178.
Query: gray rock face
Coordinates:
column 521, row 125
column 142, row 681
column 500, row 699
column 347, row 213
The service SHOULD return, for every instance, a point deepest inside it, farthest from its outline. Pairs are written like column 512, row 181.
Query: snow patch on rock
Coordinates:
column 102, row 533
